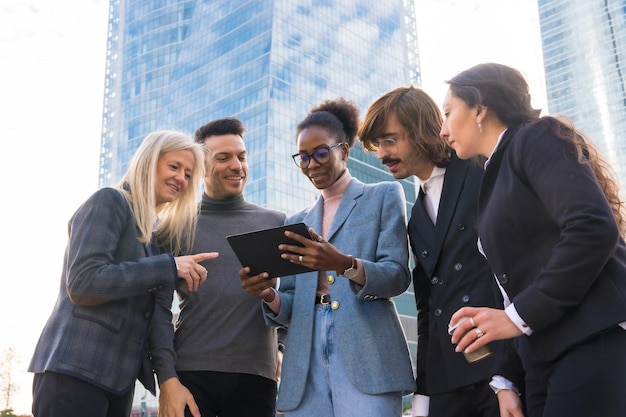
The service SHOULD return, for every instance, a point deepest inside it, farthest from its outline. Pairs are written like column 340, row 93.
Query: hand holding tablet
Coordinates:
column 259, row 251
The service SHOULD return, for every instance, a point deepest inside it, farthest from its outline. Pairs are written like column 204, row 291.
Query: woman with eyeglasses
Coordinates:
column 345, row 352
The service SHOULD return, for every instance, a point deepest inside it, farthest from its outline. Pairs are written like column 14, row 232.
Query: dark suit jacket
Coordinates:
column 104, row 344
column 450, row 273
column 551, row 239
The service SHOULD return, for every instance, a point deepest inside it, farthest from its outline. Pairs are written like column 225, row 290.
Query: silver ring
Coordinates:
column 479, row 333
column 471, row 320
column 300, row 258
column 319, row 239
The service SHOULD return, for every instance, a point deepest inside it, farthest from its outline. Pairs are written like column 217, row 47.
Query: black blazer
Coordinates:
column 450, row 273
column 551, row 239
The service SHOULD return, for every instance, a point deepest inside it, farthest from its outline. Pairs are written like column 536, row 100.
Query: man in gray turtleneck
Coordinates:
column 222, row 359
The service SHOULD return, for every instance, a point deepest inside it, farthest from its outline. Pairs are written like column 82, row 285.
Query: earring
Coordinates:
column 480, row 127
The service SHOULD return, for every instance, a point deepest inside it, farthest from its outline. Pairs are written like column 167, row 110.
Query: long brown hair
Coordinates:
column 505, row 92
column 419, row 116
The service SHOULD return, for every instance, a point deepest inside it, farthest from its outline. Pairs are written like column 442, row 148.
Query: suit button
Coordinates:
column 148, row 315
column 438, row 312
column 424, row 253
column 334, row 305
column 330, row 279
column 434, row 281
column 458, row 266
column 465, row 298
column 460, row 226
column 503, row 279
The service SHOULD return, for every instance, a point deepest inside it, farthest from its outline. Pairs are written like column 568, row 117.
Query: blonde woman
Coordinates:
column 95, row 343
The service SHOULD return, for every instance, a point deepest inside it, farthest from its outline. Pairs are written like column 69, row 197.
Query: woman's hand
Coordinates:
column 316, row 253
column 190, row 270
column 473, row 327
column 258, row 285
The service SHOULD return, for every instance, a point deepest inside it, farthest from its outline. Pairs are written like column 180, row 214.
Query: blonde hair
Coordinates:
column 177, row 219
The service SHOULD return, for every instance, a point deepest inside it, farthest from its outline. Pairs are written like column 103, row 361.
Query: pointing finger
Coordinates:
column 199, row 257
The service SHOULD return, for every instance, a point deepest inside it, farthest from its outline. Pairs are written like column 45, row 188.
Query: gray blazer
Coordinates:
column 370, row 224
column 104, row 344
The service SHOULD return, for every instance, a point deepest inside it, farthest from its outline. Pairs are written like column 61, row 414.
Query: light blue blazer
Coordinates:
column 370, row 224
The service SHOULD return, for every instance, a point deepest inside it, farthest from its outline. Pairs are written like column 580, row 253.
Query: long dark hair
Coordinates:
column 504, row 91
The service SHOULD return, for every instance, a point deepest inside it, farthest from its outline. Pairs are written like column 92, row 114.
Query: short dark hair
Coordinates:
column 225, row 126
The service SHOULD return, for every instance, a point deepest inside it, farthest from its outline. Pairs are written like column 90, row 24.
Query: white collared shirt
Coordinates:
column 432, row 188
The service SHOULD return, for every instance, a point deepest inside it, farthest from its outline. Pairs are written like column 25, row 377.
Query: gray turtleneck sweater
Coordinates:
column 221, row 327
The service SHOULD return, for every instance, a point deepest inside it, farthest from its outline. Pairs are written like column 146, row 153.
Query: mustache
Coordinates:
column 386, row 161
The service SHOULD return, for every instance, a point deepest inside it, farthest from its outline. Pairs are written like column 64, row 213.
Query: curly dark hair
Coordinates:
column 340, row 117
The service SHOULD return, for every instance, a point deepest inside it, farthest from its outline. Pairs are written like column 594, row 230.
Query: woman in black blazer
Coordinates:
column 550, row 224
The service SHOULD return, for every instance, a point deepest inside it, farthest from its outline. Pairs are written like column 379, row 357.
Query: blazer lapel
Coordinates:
column 152, row 247
column 454, row 179
column 492, row 168
column 450, row 194
column 426, row 227
column 313, row 218
column 347, row 204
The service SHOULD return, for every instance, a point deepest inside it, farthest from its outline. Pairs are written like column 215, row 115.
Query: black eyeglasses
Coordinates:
column 321, row 156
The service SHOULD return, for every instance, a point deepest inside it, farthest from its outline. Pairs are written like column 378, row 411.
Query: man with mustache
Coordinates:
column 402, row 127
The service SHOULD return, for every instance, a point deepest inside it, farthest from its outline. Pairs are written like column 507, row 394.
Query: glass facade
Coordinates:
column 584, row 52
column 176, row 64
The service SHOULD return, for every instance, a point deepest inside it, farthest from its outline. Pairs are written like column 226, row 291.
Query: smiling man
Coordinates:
column 222, row 359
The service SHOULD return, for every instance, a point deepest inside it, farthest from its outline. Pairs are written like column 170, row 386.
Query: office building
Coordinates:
column 176, row 64
column 584, row 52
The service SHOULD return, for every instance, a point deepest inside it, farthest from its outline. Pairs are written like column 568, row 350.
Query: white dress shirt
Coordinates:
column 432, row 188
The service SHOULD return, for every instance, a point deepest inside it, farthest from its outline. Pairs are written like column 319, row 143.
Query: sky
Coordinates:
column 52, row 66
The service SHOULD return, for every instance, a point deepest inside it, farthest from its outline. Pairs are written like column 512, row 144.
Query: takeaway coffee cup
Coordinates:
column 476, row 355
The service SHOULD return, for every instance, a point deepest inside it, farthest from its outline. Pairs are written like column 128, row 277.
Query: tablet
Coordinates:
column 259, row 250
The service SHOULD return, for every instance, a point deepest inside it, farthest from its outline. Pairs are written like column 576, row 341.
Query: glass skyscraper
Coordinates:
column 584, row 52
column 177, row 64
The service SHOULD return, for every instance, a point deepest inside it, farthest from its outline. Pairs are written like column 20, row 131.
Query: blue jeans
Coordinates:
column 329, row 391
